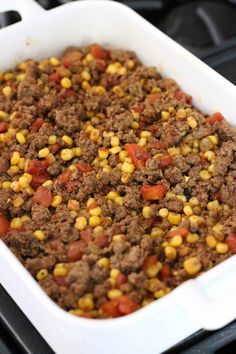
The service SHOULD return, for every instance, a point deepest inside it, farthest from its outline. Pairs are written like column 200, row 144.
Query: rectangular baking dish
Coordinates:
column 207, row 302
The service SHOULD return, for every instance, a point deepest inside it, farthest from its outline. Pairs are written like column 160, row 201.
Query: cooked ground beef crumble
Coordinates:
column 114, row 188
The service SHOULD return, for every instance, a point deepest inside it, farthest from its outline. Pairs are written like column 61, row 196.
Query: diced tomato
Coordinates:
column 126, row 305
column 190, row 100
column 100, row 64
column 54, row 148
column 179, row 94
column 3, row 127
column 54, row 77
column 86, row 315
column 165, row 161
column 63, row 178
column 62, row 71
column 55, row 244
column 149, row 261
column 155, row 145
column 75, row 250
column 110, row 308
column 42, row 196
column 4, row 225
column 138, row 155
column 139, row 108
column 153, row 192
column 37, row 167
column 61, row 281
column 69, row 93
column 121, row 279
column 153, row 97
column 82, row 167
column 72, row 58
column 86, row 235
column 231, row 242
column 215, row 117
column 98, row 52
column 165, row 271
column 92, row 206
column 182, row 231
column 38, row 180
column 37, row 124
column 102, row 240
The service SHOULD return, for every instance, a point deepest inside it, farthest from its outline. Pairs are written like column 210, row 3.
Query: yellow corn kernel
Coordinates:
column 103, row 163
column 66, row 83
column 13, row 170
column 163, row 212
column 60, row 272
column 119, row 200
column 114, row 293
column 218, row 227
column 192, row 122
column 3, row 115
column 185, row 149
column 174, row 218
column 127, row 167
column 192, row 265
column 222, row 248
column 134, row 125
column 118, row 91
column 112, row 195
column 21, row 77
column 153, row 270
column 181, row 113
column 192, row 238
column 157, row 232
column 67, row 140
column 108, row 134
column 86, row 303
column 170, row 253
column 15, row 158
column 48, row 183
column 25, row 218
column 18, row 202
column 6, row 185
column 52, row 139
column 117, row 238
column 107, row 169
column 56, row 201
column 165, row 115
column 54, row 61
column 174, row 151
column 100, row 90
column 24, row 180
column 94, row 221
column 146, row 212
column 209, row 155
column 194, row 201
column 188, row 211
column 145, row 134
column 103, row 262
column 95, row 211
column 42, row 274
column 115, row 141
column 85, row 75
column 67, row 154
column 73, row 205
column 43, row 153
column 214, row 139
column 214, row 205
column 112, row 69
column 142, row 142
column 6, row 91
column 77, row 151
column 73, row 214
column 21, row 163
column 114, row 273
column 176, row 241
column 98, row 229
column 16, row 223
column 204, row 175
column 39, row 234
column 85, row 85
column 20, row 138
column 94, row 135
column 211, row 168
column 103, row 153
column 15, row 186
column 115, row 150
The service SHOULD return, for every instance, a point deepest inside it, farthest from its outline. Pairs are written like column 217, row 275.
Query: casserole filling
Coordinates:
column 114, row 187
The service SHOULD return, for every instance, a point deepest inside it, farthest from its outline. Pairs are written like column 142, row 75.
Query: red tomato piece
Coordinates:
column 179, row 95
column 182, row 231
column 86, row 235
column 126, row 305
column 102, row 240
column 42, row 196
column 110, row 308
column 37, row 167
column 153, row 192
column 98, row 52
column 71, row 58
column 121, row 279
column 139, row 108
column 138, row 155
column 54, row 77
column 69, row 93
column 149, row 261
column 61, row 281
column 215, row 117
column 38, row 180
column 75, row 250
column 190, row 100
column 54, row 148
column 100, row 64
column 165, row 161
column 155, row 145
column 82, row 167
column 3, row 127
column 37, row 124
column 4, row 225
column 153, row 97
column 166, row 271
column 231, row 242
column 87, row 315
column 63, row 178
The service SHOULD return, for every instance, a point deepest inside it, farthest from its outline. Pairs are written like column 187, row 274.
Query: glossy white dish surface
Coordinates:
column 207, row 302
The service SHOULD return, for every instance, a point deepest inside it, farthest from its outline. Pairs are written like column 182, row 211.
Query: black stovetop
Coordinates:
column 208, row 29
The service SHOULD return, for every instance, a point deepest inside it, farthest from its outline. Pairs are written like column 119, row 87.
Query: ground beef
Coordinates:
column 114, row 188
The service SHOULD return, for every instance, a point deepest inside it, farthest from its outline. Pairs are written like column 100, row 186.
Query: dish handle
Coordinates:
column 26, row 8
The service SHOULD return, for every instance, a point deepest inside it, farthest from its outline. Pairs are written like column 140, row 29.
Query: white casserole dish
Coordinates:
column 207, row 302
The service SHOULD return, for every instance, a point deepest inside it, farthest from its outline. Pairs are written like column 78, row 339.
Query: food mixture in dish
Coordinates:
column 114, row 189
